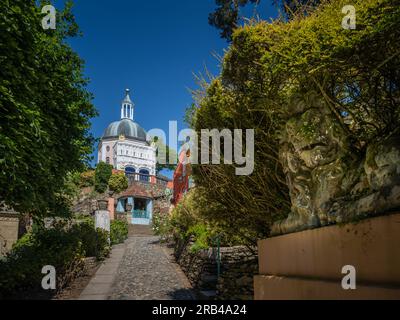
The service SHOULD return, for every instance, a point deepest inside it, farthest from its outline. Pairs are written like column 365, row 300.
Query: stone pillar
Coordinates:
column 8, row 232
column 102, row 217
column 111, row 208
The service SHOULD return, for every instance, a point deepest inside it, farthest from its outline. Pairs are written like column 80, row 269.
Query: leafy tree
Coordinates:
column 102, row 176
column 45, row 108
column 118, row 182
column 227, row 15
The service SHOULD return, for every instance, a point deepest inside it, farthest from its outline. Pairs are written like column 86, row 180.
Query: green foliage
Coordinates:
column 119, row 231
column 45, row 109
column 102, row 176
column 271, row 70
column 118, row 182
column 62, row 246
column 353, row 72
column 202, row 236
column 94, row 242
column 245, row 206
column 187, row 222
column 86, row 179
column 184, row 216
column 70, row 191
column 162, row 226
column 22, row 268
column 227, row 15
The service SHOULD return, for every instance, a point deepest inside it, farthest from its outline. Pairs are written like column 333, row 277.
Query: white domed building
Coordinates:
column 124, row 145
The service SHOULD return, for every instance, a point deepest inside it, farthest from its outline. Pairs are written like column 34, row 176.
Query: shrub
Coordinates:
column 87, row 179
column 119, row 231
column 102, row 175
column 162, row 226
column 94, row 242
column 184, row 216
column 202, row 237
column 22, row 267
column 118, row 182
column 62, row 246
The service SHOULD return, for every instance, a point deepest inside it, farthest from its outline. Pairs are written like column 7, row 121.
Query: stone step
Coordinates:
column 140, row 230
column 208, row 294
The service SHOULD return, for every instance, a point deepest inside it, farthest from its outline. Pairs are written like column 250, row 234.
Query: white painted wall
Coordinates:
column 136, row 154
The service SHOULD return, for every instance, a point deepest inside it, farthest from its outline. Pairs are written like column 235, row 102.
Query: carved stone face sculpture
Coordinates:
column 328, row 182
column 314, row 137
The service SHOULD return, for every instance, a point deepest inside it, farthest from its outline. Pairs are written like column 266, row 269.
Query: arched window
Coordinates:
column 108, row 148
column 108, row 160
column 130, row 170
column 144, row 175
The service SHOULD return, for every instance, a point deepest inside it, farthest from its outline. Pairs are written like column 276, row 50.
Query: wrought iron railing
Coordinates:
column 140, row 214
column 145, row 178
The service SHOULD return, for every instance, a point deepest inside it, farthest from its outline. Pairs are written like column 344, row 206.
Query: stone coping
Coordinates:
column 371, row 246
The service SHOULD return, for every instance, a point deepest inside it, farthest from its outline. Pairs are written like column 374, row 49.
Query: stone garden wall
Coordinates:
column 238, row 267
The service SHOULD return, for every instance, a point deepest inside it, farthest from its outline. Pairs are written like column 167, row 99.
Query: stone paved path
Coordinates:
column 147, row 272
column 100, row 286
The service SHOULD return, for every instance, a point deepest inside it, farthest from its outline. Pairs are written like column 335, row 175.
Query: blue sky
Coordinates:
column 151, row 47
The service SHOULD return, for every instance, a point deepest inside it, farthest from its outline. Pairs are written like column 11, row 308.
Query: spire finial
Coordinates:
column 127, row 97
column 127, row 106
